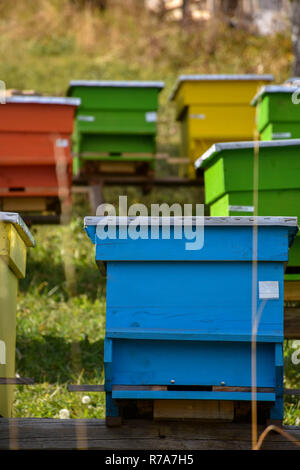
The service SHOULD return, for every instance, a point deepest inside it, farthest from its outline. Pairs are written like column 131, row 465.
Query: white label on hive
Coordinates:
column 197, row 116
column 81, row 117
column 241, row 208
column 268, row 289
column 281, row 135
column 151, row 116
column 62, row 142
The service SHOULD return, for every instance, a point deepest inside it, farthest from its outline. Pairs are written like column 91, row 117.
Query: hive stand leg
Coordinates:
column 96, row 196
column 276, row 413
column 112, row 410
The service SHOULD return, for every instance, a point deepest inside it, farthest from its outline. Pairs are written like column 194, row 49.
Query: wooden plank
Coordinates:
column 292, row 323
column 219, row 388
column 116, row 167
column 85, row 388
column 16, row 381
column 292, row 391
column 203, row 410
column 178, row 161
column 140, row 387
column 52, row 434
column 100, row 388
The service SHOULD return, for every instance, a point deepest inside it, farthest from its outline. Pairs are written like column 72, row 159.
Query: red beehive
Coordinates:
column 35, row 152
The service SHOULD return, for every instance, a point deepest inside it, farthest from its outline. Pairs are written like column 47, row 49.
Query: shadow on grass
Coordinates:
column 52, row 359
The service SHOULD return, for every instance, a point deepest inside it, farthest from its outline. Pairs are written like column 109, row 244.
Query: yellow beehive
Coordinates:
column 15, row 237
column 214, row 108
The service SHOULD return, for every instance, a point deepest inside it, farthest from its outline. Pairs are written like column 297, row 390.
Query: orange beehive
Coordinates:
column 35, row 153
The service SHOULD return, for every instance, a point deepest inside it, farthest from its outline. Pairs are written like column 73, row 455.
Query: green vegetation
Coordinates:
column 61, row 304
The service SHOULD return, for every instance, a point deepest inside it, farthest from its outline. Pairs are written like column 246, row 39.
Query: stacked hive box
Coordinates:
column 115, row 129
column 35, row 153
column 214, row 108
column 179, row 317
column 229, row 183
column 278, row 112
column 14, row 240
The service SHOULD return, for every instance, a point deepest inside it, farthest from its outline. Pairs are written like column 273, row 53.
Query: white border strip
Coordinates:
column 43, row 100
column 120, row 84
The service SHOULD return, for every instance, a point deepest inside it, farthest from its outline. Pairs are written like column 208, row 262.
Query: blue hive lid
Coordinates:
column 91, row 222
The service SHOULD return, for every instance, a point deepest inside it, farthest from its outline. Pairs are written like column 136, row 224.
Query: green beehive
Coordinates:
column 229, row 180
column 115, row 128
column 278, row 112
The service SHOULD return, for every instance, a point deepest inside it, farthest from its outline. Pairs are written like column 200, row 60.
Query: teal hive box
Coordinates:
column 179, row 322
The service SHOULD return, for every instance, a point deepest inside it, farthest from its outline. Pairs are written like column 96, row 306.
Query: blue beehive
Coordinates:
column 179, row 322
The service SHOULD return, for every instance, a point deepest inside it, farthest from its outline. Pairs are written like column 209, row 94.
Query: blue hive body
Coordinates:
column 182, row 319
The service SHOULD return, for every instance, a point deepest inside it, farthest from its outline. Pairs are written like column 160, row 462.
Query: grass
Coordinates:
column 60, row 334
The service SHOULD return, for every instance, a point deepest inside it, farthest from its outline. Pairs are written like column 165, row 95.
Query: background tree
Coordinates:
column 185, row 9
column 229, row 7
